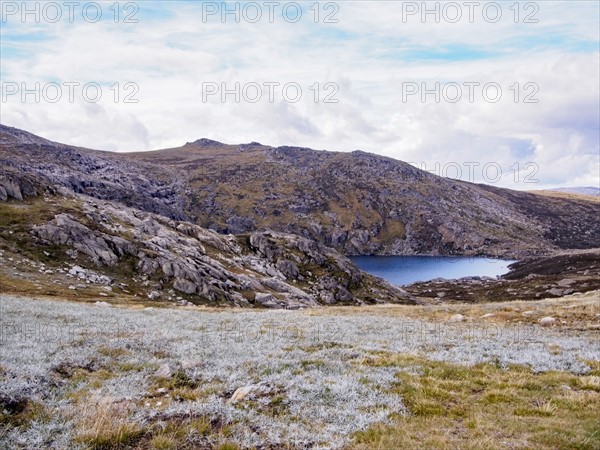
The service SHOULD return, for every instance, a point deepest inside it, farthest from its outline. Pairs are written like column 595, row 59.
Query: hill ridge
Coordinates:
column 357, row 202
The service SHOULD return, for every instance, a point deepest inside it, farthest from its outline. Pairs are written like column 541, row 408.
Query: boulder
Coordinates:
column 153, row 295
column 165, row 371
column 547, row 321
column 185, row 286
column 456, row 318
column 245, row 392
column 287, row 268
column 266, row 300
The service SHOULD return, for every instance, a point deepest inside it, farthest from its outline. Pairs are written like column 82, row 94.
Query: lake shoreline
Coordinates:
column 557, row 275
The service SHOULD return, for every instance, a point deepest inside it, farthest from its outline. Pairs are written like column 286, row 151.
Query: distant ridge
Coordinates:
column 204, row 142
column 584, row 190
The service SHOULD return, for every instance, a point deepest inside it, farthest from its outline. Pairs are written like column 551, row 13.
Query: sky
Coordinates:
column 505, row 93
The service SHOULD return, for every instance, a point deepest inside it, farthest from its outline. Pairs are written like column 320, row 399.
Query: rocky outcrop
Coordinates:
column 30, row 164
column 102, row 248
column 18, row 187
column 265, row 269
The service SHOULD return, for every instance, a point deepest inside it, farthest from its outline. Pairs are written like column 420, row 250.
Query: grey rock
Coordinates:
column 456, row 318
column 165, row 371
column 266, row 300
column 287, row 268
column 185, row 286
column 153, row 295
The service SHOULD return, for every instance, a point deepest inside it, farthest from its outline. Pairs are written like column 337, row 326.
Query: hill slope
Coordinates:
column 358, row 203
column 77, row 247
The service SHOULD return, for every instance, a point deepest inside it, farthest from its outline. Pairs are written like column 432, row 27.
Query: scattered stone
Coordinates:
column 154, row 295
column 102, row 294
column 441, row 294
column 547, row 320
column 191, row 364
column 456, row 318
column 71, row 287
column 485, row 316
column 566, row 282
column 247, row 391
column 103, row 304
column 165, row 371
column 555, row 291
column 77, row 271
column 528, row 313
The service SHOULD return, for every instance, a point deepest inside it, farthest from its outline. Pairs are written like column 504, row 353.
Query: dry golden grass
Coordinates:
column 485, row 407
column 578, row 311
column 106, row 425
column 567, row 195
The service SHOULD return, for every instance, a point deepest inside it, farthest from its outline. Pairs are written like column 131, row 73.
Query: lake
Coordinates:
column 401, row 270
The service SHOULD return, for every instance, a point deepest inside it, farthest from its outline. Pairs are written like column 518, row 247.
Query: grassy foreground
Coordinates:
column 333, row 378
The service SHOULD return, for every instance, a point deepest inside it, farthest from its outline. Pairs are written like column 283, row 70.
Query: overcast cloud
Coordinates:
column 550, row 133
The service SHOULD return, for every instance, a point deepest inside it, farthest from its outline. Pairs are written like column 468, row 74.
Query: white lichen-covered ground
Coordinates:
column 312, row 387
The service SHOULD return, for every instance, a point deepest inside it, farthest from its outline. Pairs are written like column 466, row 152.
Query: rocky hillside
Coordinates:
column 358, row 203
column 76, row 246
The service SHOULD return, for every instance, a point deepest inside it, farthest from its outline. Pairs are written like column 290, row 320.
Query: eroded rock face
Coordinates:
column 101, row 247
column 16, row 187
column 267, row 269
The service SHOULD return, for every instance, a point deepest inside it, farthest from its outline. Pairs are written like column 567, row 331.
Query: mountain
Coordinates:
column 584, row 190
column 57, row 239
column 357, row 203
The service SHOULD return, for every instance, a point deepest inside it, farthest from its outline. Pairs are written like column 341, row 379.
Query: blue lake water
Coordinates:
column 401, row 270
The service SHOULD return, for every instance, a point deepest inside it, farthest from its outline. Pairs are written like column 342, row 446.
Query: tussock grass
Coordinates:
column 105, row 425
column 485, row 407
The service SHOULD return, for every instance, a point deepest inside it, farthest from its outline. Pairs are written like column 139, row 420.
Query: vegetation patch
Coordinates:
column 483, row 406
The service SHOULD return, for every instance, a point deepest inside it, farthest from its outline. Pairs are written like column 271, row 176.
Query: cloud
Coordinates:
column 370, row 54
